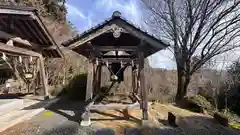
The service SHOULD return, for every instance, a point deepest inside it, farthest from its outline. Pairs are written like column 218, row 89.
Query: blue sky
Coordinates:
column 85, row 14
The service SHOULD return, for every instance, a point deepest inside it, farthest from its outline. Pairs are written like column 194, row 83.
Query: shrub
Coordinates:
column 196, row 103
column 207, row 91
column 221, row 119
column 201, row 101
column 76, row 88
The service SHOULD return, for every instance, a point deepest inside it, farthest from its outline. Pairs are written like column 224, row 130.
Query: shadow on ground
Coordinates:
column 70, row 129
column 13, row 95
column 72, row 110
column 74, row 130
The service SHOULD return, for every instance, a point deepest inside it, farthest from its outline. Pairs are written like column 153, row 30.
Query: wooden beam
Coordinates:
column 25, row 43
column 17, row 50
column 19, row 17
column 113, row 106
column 15, row 12
column 116, row 48
column 88, row 38
column 113, row 60
column 118, row 56
column 19, row 40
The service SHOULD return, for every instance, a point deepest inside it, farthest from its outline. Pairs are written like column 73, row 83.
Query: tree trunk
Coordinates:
column 183, row 82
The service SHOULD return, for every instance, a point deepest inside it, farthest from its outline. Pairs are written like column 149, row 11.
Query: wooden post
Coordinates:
column 134, row 84
column 43, row 77
column 143, row 86
column 89, row 92
column 90, row 82
column 133, row 80
column 99, row 73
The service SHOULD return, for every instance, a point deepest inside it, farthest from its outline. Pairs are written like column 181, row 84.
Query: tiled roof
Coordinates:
column 104, row 23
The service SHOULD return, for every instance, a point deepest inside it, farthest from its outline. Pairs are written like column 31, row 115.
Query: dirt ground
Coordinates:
column 158, row 114
column 62, row 121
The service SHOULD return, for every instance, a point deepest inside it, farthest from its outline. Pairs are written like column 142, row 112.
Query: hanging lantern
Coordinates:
column 121, row 64
column 20, row 59
column 28, row 75
column 4, row 57
column 114, row 78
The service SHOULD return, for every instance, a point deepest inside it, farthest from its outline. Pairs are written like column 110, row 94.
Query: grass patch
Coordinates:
column 47, row 114
column 234, row 125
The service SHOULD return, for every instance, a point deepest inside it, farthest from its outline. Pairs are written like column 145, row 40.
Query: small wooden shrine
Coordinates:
column 116, row 44
column 23, row 34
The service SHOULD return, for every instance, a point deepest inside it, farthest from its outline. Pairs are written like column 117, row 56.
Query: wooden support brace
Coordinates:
column 137, row 97
column 114, row 106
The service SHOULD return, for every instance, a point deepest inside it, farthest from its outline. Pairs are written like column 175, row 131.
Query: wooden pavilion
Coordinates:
column 116, row 44
column 22, row 33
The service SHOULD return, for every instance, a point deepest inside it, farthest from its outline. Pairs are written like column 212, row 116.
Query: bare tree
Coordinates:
column 203, row 28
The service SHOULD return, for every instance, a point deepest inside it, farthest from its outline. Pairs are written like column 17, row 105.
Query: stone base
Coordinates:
column 172, row 119
column 85, row 123
column 146, row 123
column 46, row 97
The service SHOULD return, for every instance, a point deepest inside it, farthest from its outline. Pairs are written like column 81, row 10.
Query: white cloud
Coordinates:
column 129, row 9
column 162, row 59
column 74, row 11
